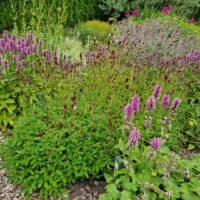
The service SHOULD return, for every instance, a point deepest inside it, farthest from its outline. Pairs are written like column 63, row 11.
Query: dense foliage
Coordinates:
column 65, row 97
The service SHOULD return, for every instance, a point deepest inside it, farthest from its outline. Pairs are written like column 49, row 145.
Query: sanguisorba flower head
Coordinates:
column 156, row 143
column 175, row 104
column 128, row 111
column 165, row 10
column 134, row 137
column 135, row 104
column 151, row 103
column 157, row 91
column 166, row 101
column 135, row 12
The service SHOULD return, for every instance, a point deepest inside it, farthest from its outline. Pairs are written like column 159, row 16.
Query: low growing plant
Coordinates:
column 144, row 171
column 94, row 29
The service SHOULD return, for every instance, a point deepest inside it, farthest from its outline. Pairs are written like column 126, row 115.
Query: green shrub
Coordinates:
column 94, row 29
column 56, row 144
column 5, row 16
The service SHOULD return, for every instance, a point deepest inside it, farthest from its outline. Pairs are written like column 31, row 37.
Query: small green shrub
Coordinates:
column 56, row 144
column 94, row 29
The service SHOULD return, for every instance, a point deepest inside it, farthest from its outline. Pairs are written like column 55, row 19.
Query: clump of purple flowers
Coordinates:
column 134, row 137
column 151, row 103
column 175, row 104
column 156, row 143
column 166, row 101
column 132, row 108
column 157, row 91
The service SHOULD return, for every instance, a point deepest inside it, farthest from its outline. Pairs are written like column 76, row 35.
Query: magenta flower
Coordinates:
column 170, row 7
column 175, row 104
column 166, row 101
column 134, row 137
column 135, row 104
column 135, row 12
column 155, row 143
column 128, row 111
column 193, row 21
column 126, row 14
column 151, row 103
column 157, row 91
column 165, row 10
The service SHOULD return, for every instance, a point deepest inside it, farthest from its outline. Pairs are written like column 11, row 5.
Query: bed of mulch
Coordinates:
column 79, row 191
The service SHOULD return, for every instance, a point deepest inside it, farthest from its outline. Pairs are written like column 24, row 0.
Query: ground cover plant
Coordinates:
column 116, row 102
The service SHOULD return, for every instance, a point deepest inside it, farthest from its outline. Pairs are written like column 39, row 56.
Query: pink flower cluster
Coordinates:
column 167, row 9
column 24, row 47
column 156, row 143
column 134, row 137
column 132, row 108
column 19, row 48
column 134, row 13
column 151, row 102
column 193, row 56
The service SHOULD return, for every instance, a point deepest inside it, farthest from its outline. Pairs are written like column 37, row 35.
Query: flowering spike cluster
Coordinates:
column 135, row 104
column 132, row 108
column 134, row 137
column 175, row 104
column 151, row 103
column 24, row 47
column 155, row 143
column 193, row 56
column 128, row 111
column 166, row 101
column 157, row 91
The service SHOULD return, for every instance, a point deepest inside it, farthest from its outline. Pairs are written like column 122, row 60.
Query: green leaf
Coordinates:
column 191, row 147
column 125, row 195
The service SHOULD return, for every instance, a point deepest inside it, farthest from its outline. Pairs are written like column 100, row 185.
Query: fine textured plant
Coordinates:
column 94, row 29
column 153, row 41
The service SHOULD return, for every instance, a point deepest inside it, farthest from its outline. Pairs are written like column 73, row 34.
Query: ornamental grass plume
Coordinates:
column 134, row 137
column 166, row 101
column 156, row 143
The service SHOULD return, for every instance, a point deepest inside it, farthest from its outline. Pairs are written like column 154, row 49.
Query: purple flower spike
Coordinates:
column 166, row 101
column 135, row 104
column 175, row 104
column 155, row 143
column 157, row 91
column 134, row 137
column 151, row 103
column 128, row 112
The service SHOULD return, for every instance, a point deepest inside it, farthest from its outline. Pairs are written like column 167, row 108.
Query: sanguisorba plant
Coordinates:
column 146, row 169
